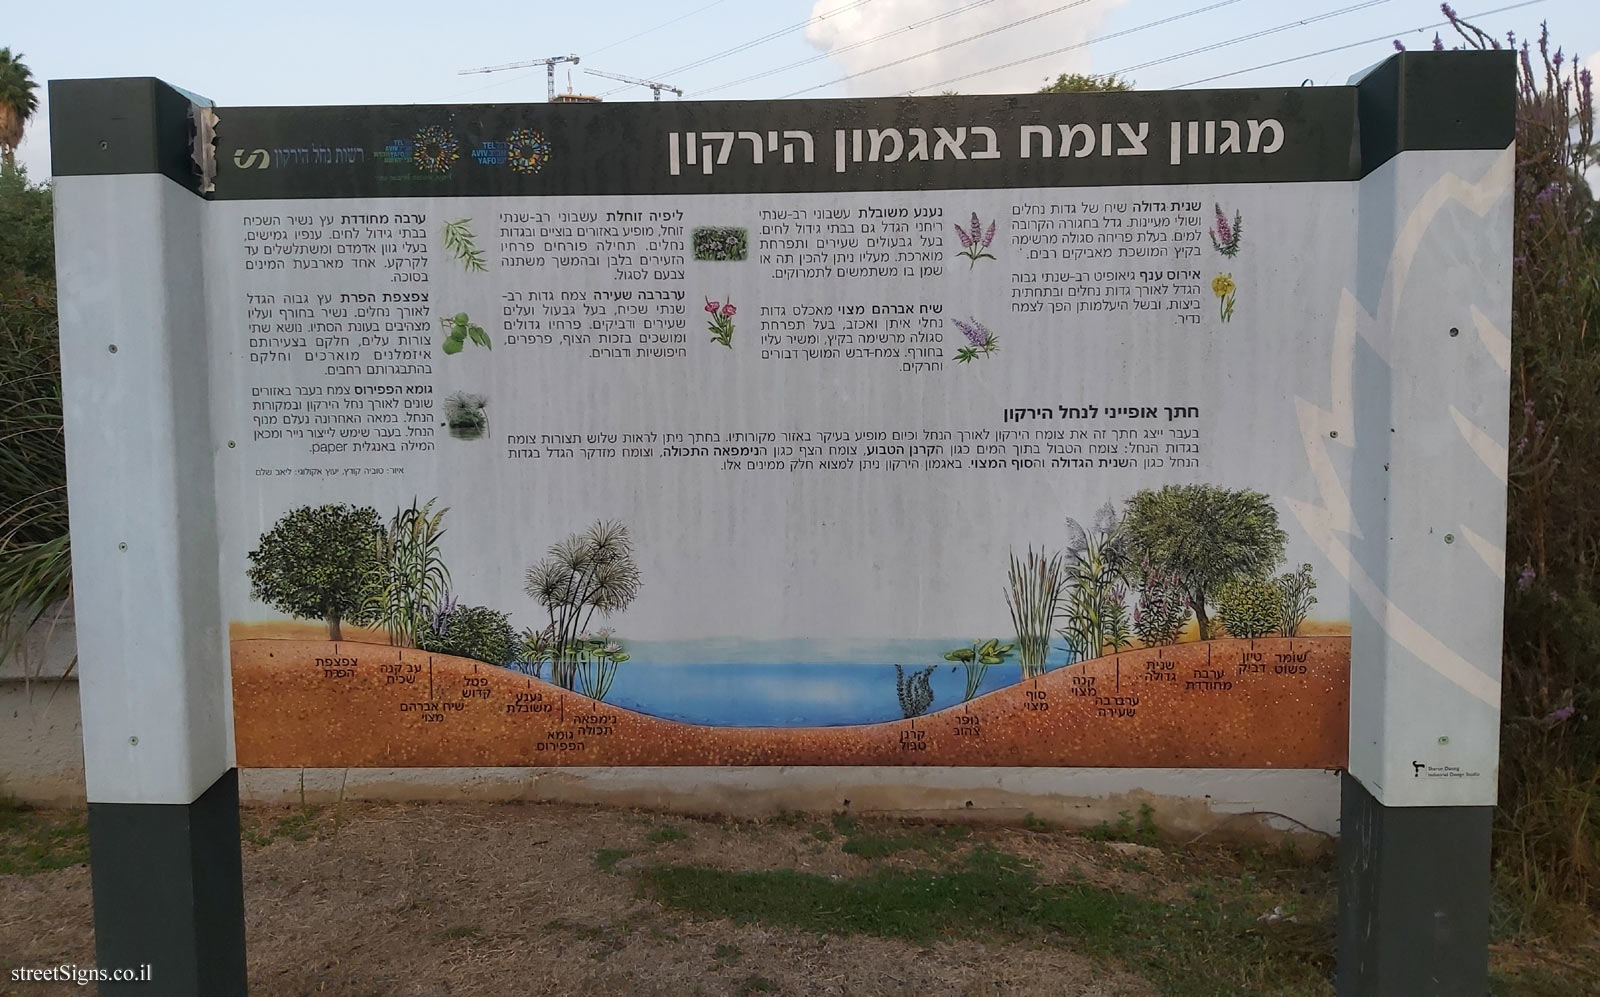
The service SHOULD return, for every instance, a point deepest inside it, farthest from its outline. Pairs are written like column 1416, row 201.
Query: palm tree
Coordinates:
column 17, row 103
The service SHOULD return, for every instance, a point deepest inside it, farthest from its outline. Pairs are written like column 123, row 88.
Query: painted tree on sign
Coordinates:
column 316, row 563
column 1207, row 535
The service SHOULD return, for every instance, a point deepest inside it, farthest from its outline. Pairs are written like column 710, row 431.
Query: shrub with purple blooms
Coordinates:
column 1547, row 827
column 980, row 341
column 975, row 241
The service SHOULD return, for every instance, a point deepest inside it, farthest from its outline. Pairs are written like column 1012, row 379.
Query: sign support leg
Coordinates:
column 1414, row 892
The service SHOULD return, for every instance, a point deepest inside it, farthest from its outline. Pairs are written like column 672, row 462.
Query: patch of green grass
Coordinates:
column 758, row 985
column 661, row 835
column 869, row 845
column 606, row 859
column 1032, row 823
column 1196, row 949
column 821, row 833
column 1140, row 830
column 300, row 826
column 726, row 953
column 35, row 841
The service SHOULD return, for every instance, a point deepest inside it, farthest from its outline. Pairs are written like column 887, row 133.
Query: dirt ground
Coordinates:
column 458, row 900
column 470, row 900
column 1265, row 703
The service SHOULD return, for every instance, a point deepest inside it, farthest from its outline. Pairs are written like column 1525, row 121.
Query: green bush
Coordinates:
column 1249, row 608
column 476, row 632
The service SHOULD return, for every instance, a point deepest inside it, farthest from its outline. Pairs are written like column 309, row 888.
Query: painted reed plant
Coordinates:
column 1037, row 585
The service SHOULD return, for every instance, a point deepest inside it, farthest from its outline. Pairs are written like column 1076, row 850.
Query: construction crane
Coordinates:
column 549, row 65
column 652, row 84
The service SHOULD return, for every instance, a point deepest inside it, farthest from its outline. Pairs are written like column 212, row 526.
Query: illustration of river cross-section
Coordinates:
column 1164, row 630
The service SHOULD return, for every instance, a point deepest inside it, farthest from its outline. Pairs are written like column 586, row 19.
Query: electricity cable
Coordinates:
column 941, row 48
column 1078, row 45
column 1253, row 35
column 846, row 48
column 1365, row 41
column 750, row 44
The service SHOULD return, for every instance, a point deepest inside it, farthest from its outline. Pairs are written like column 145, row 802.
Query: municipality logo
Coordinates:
column 255, row 159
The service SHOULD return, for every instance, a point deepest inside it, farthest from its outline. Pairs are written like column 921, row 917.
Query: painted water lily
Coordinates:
column 980, row 341
column 1223, row 287
column 975, row 241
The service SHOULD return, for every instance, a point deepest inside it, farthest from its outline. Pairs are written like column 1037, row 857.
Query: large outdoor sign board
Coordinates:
column 1159, row 429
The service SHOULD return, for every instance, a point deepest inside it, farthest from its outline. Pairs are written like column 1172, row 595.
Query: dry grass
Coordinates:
column 489, row 899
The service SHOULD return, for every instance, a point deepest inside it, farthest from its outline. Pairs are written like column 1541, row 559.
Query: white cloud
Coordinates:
column 1071, row 26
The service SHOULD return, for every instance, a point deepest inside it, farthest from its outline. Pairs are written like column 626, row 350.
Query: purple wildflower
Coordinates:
column 1224, row 233
column 966, row 240
column 1527, row 576
column 988, row 236
column 1557, row 716
column 1398, row 47
column 1438, row 45
column 1444, row 9
column 441, row 613
column 977, row 227
column 976, row 334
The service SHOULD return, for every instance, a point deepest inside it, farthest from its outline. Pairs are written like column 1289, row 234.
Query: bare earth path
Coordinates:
column 457, row 900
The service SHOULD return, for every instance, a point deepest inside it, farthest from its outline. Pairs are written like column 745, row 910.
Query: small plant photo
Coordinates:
column 975, row 241
column 458, row 329
column 1224, row 288
column 720, row 324
column 462, row 245
column 720, row 243
column 1226, row 236
column 980, row 340
column 466, row 416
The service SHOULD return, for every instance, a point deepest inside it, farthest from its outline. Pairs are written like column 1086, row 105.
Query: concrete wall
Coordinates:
column 41, row 762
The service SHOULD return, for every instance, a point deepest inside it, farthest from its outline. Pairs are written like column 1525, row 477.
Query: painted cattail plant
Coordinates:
column 975, row 241
column 1037, row 587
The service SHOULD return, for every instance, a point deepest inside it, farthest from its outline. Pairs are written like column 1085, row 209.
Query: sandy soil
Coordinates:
column 1267, row 703
column 481, row 900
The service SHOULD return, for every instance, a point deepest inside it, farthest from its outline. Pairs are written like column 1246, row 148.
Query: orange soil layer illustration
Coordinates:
column 1265, row 703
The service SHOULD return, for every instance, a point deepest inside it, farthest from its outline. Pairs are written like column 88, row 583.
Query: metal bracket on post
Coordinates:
column 157, row 729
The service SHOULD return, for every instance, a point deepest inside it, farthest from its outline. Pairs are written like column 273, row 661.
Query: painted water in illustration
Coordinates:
column 1163, row 632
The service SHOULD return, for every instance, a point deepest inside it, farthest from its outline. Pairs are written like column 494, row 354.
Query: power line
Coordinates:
column 752, row 43
column 663, row 24
column 1365, row 41
column 492, row 86
column 1070, row 48
column 1253, row 35
column 941, row 48
column 846, row 48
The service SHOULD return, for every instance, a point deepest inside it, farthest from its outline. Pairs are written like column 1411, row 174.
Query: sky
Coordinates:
column 293, row 52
